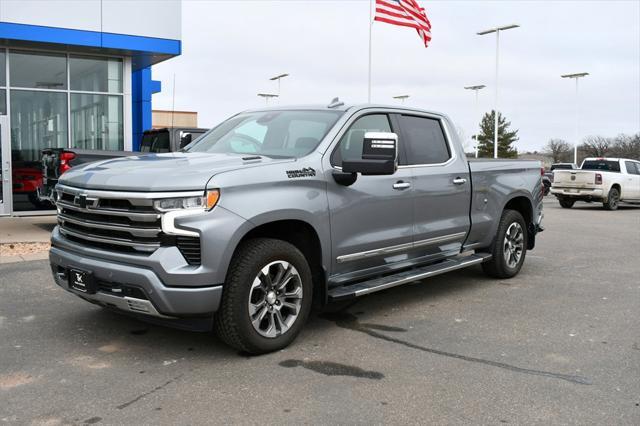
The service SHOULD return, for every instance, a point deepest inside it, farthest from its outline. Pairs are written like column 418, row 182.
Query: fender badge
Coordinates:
column 306, row 172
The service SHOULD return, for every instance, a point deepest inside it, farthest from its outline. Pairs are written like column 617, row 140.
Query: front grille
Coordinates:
column 130, row 225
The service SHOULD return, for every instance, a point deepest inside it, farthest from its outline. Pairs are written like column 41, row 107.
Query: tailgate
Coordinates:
column 574, row 178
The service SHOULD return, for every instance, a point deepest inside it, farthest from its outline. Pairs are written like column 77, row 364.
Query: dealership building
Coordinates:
column 76, row 74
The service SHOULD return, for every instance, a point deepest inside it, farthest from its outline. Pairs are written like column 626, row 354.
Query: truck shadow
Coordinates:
column 152, row 341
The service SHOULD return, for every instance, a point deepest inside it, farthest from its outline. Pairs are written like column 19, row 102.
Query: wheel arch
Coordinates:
column 523, row 205
column 304, row 237
column 618, row 187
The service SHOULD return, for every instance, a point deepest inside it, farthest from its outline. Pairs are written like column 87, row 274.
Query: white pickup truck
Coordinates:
column 606, row 180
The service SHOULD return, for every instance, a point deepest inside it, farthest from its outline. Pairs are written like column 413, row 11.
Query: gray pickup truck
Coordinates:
column 277, row 207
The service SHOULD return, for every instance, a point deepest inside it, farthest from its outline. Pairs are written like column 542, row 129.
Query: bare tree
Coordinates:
column 558, row 149
column 596, row 146
column 626, row 146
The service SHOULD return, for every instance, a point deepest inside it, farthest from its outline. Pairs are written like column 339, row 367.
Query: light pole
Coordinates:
column 267, row 96
column 401, row 98
column 279, row 77
column 576, row 76
column 476, row 89
column 497, row 31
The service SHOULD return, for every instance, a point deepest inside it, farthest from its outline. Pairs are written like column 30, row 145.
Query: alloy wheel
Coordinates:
column 513, row 245
column 275, row 299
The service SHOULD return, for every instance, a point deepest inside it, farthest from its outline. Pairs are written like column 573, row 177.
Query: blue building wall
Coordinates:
column 142, row 87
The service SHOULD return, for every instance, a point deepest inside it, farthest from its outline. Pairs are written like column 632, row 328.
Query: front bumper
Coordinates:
column 579, row 193
column 133, row 289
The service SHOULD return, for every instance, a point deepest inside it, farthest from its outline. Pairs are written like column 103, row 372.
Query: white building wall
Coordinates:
column 77, row 15
column 148, row 18
column 155, row 18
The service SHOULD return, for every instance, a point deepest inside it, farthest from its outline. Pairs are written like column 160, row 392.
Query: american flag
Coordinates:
column 406, row 13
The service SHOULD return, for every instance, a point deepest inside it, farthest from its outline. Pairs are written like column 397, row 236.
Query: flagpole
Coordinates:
column 370, row 28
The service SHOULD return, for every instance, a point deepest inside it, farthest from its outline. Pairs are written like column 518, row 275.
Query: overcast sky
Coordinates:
column 231, row 48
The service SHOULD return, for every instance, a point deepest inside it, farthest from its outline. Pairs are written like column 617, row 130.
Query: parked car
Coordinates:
column 56, row 161
column 606, row 180
column 547, row 179
column 277, row 207
column 27, row 180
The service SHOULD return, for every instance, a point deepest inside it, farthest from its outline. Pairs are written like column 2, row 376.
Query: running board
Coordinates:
column 404, row 277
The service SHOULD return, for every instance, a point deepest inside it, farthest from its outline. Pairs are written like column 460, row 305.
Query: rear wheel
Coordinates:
column 509, row 246
column 266, row 297
column 613, row 200
column 566, row 203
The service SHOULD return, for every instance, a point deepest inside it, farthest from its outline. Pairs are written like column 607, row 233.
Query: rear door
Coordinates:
column 631, row 189
column 441, row 185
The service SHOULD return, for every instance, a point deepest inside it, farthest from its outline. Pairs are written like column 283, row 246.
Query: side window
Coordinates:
column 350, row 145
column 632, row 168
column 425, row 141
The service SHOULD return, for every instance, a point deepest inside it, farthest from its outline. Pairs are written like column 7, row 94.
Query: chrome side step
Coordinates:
column 404, row 277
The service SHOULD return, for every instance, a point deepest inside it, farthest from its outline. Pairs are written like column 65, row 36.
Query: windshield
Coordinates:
column 268, row 133
column 607, row 166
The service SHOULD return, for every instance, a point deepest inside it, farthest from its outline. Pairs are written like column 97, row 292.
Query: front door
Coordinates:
column 372, row 219
column 5, row 166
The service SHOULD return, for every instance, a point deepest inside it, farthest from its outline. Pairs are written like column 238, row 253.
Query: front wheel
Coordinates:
column 613, row 200
column 266, row 297
column 509, row 246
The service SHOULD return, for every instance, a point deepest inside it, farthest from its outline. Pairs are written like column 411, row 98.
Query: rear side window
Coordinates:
column 425, row 141
column 632, row 168
column 350, row 145
column 604, row 165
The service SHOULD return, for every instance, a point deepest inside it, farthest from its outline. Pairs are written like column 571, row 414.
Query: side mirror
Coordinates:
column 379, row 155
column 185, row 140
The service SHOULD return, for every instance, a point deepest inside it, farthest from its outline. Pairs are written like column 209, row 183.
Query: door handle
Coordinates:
column 459, row 181
column 401, row 185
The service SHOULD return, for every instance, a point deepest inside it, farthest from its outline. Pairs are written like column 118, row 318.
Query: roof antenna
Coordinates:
column 335, row 103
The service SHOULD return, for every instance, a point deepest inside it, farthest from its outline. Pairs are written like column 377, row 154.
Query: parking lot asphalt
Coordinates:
column 558, row 344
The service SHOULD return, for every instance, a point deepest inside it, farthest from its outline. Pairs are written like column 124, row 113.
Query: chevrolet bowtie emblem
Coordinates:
column 80, row 200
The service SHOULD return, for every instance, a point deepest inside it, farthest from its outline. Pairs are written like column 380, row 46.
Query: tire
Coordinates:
column 515, row 244
column 252, row 279
column 566, row 203
column 613, row 199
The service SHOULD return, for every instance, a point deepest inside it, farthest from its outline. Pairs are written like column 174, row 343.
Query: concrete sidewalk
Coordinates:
column 25, row 238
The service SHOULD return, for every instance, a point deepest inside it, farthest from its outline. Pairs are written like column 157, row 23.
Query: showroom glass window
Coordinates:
column 59, row 100
column 38, row 83
column 96, row 103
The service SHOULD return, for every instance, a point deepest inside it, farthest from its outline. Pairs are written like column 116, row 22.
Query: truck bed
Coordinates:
column 491, row 180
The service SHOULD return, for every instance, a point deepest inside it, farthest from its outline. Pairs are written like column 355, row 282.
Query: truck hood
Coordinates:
column 160, row 172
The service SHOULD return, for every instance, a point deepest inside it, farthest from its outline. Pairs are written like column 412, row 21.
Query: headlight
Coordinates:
column 207, row 201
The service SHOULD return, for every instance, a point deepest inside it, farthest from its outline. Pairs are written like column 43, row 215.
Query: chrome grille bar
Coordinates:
column 138, row 232
column 141, row 217
column 146, row 247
